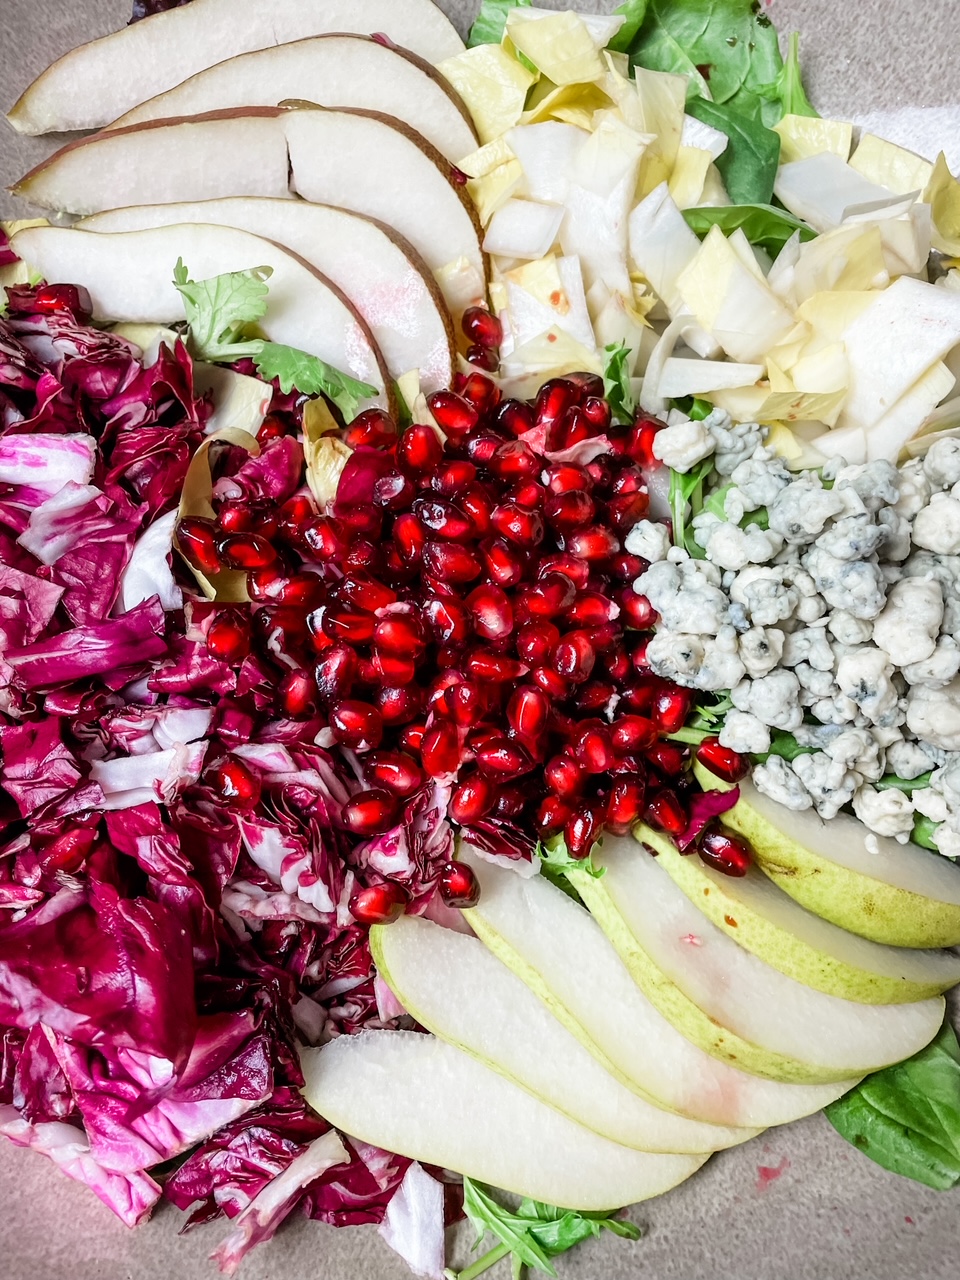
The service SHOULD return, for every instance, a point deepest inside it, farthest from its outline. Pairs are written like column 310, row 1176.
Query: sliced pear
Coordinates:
column 129, row 277
column 895, row 893
column 369, row 164
column 461, row 992
column 333, row 71
column 771, row 925
column 382, row 275
column 422, row 1098
column 561, row 954
column 92, row 85
column 728, row 1001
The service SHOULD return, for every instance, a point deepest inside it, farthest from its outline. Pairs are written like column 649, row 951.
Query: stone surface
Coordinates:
column 795, row 1204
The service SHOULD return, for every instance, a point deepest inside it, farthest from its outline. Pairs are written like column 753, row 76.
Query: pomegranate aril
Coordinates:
column 361, row 519
column 481, row 448
column 336, row 672
column 394, row 771
column 475, row 502
column 721, row 761
column 592, row 543
column 564, row 776
column 552, row 595
column 472, row 800
column 394, row 669
column 381, row 904
column 273, row 427
column 444, row 519
column 482, row 326
column 451, row 563
column 596, row 695
column 324, row 537
column 412, row 736
column 597, row 413
column 592, row 609
column 438, row 689
column 350, row 625
column 419, row 449
column 553, row 814
column 410, row 537
column 514, row 460
column 670, row 708
column 529, row 494
column 491, row 611
column 581, row 831
column 483, row 393
column 668, row 758
column 234, row 783
column 501, row 758
column 725, row 853
column 624, row 512
column 519, row 524
column 571, row 510
column 449, row 620
column 464, row 703
column 245, row 551
column 554, row 400
column 440, row 749
column 294, row 513
column 515, row 417
column 631, row 734
column 237, row 516
column 453, row 477
column 355, row 724
column 228, row 637
column 504, row 563
column 575, row 428
column 638, row 657
column 394, row 492
column 484, row 664
column 574, row 657
column 399, row 705
column 567, row 477
column 459, row 886
column 197, row 540
column 51, row 298
column 594, row 749
column 362, row 557
column 528, row 712
column 640, row 441
column 297, row 694
column 625, row 567
column 368, row 813
column 455, row 416
column 625, row 804
column 373, row 429
column 511, row 801
column 536, row 640
column 616, row 662
column 665, row 812
column 553, row 685
column 399, row 633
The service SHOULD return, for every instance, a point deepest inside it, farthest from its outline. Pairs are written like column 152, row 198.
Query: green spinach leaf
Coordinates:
column 616, row 382
column 634, row 11
column 762, row 224
column 906, row 785
column 492, row 20
column 907, row 1118
column 748, row 166
column 787, row 91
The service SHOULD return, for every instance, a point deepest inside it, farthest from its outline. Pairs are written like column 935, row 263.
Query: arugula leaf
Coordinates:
column 218, row 311
column 311, row 376
column 616, row 382
column 634, row 11
column 725, row 46
column 535, row 1233
column 907, row 1117
column 906, row 785
column 787, row 90
column 762, row 224
column 686, row 501
column 491, row 21
column 748, row 166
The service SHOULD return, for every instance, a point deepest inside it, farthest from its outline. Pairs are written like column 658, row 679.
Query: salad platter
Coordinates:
column 479, row 641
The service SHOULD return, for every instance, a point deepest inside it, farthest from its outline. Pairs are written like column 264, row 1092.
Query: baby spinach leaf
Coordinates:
column 748, row 166
column 922, row 833
column 906, row 785
column 787, row 90
column 634, row 11
column 762, row 224
column 907, row 1117
column 616, row 382
column 491, row 21
column 786, row 746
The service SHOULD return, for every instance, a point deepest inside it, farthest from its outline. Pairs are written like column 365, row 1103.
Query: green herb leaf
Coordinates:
column 787, row 90
column 784, row 745
column 686, row 501
column 509, row 1228
column 634, row 11
column 762, row 224
column 220, row 309
column 907, row 1118
column 922, row 833
column 616, row 382
column 890, row 781
column 312, row 376
column 725, row 46
column 748, row 166
column 492, row 20
column 554, row 855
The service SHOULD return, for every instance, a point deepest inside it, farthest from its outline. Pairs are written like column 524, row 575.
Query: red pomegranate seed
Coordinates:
column 399, row 705
column 578, row 571
column 529, row 494
column 350, row 625
column 725, row 853
column 449, row 562
column 592, row 543
column 596, row 695
column 373, row 429
column 574, row 657
column 304, row 590
column 587, row 384
column 581, row 830
column 625, row 567
column 536, row 640
column 515, row 418
column 552, row 815
column 617, row 664
column 483, row 393
column 51, row 298
column 453, row 477
column 482, row 326
column 575, row 428
column 234, row 783
column 197, row 540
column 638, row 657
column 472, row 800
column 394, row 771
column 357, row 725
column 670, row 708
column 500, row 758
column 625, row 804
column 362, row 556
column 459, row 886
column 393, row 669
column 564, row 776
column 245, row 551
column 410, row 537
column 504, row 563
column 399, row 634
column 475, row 502
column 438, row 689
column 455, row 416
column 665, row 812
column 513, row 461
column 726, row 764
column 440, row 749
column 624, row 512
column 668, row 758
column 553, row 685
column 640, row 441
column 592, row 609
column 511, row 801
column 394, row 492
column 293, row 515
column 444, row 519
column 630, row 734
column 491, row 611
column 273, row 427
column 336, row 672
column 481, row 448
column 571, row 510
column 528, row 712
column 594, row 749
column 554, row 400
column 566, row 477
column 449, row 620
column 361, row 520
column 297, row 694
column 464, row 703
column 237, row 516
column 324, row 538
column 412, row 735
column 551, row 596
column 483, row 664
column 597, row 413
column 381, row 904
column 419, row 449
column 229, row 637
column 519, row 524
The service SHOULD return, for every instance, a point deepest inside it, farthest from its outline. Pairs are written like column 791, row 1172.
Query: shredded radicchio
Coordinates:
column 703, row 807
column 162, row 955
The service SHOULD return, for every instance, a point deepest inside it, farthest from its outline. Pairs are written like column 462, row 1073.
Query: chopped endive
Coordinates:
column 560, row 45
column 229, row 586
column 324, row 453
column 492, row 85
column 887, row 437
column 688, row 377
column 494, row 189
column 547, row 293
column 551, row 354
column 760, row 404
column 943, row 196
column 487, row 158
column 661, row 244
column 547, row 153
column 574, row 104
column 822, row 190
column 690, row 171
column 804, row 136
column 661, row 97
column 523, row 229
column 890, row 166
column 849, row 258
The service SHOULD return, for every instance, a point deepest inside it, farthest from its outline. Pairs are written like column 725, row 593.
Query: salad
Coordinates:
column 479, row 610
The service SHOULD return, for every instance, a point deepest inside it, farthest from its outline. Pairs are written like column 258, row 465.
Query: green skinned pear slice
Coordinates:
column 899, row 894
column 562, row 955
column 419, row 1097
column 461, row 992
column 762, row 918
column 730, row 1002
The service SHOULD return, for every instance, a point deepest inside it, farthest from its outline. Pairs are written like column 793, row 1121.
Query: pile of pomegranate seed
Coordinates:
column 464, row 612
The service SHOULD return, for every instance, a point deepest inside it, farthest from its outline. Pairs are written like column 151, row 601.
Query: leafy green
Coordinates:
column 634, row 11
column 492, row 20
column 784, row 745
column 686, row 501
column 553, row 855
column 922, row 833
column 716, row 505
column 762, row 224
column 218, row 311
column 748, row 166
column 616, row 382
column 890, row 781
column 221, row 314
column 787, row 90
column 312, row 377
column 907, row 1118
column 533, row 1234
column 693, row 407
